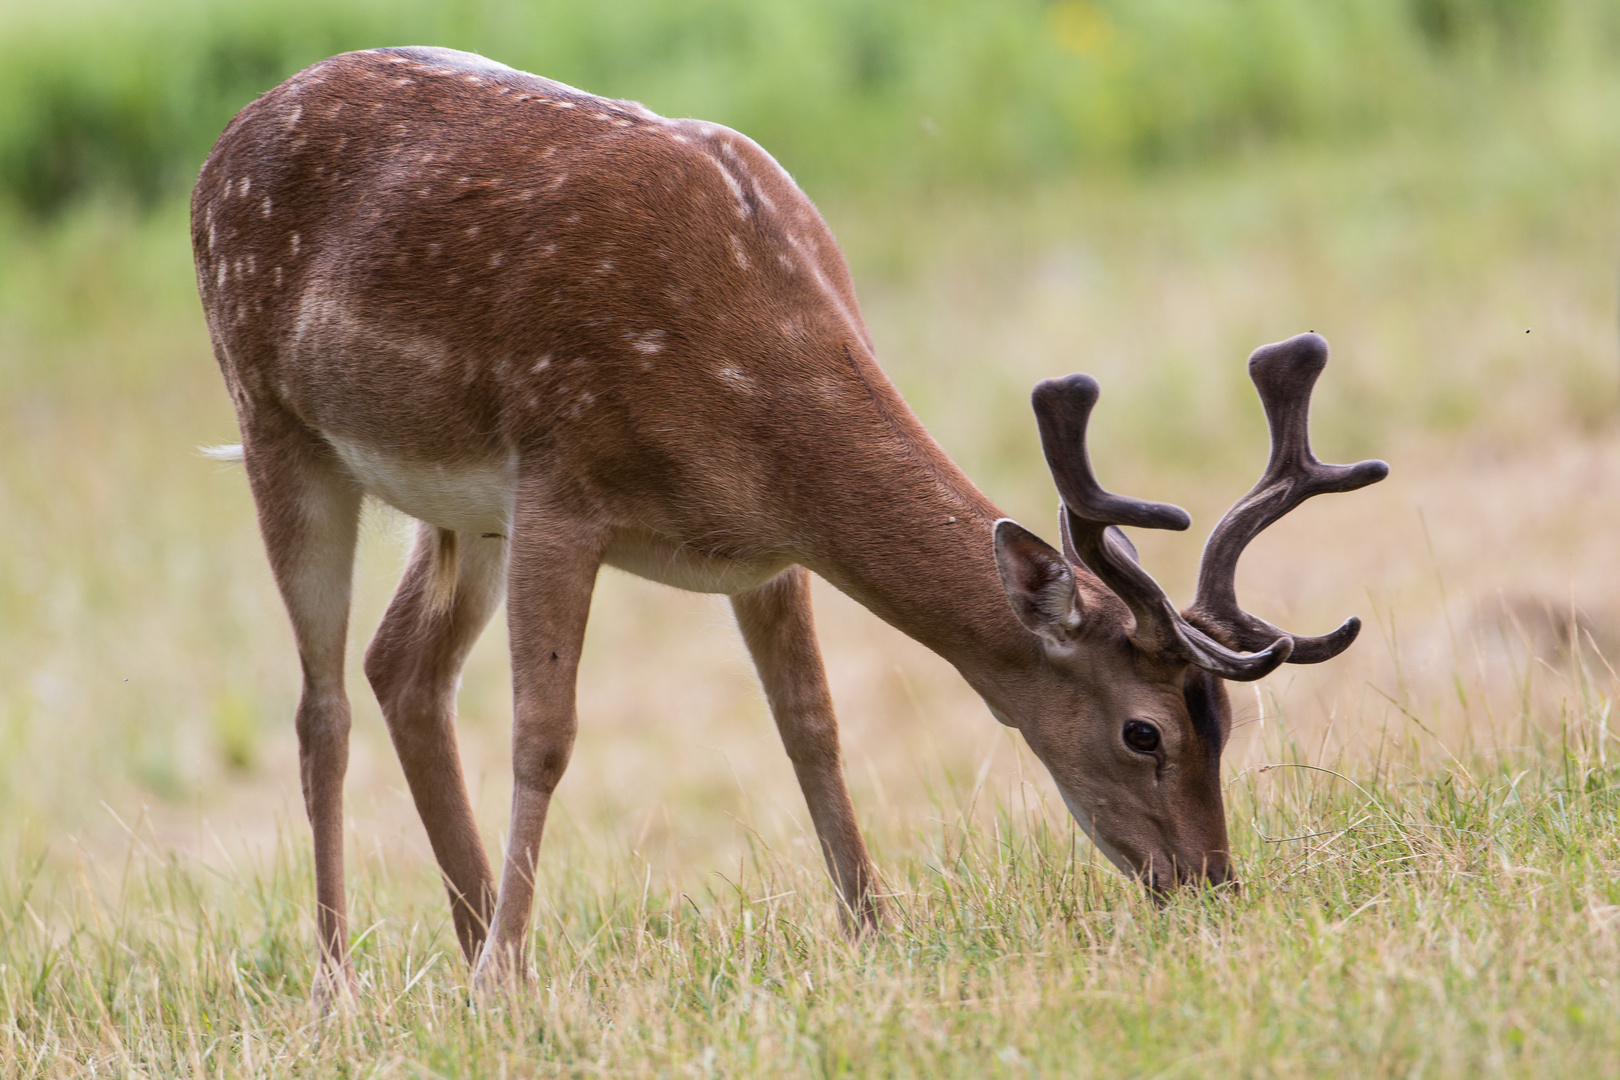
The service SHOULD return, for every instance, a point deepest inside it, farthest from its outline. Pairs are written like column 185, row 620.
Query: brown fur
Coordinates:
column 426, row 276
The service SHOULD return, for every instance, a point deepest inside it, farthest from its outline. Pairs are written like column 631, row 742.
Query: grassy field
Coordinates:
column 1428, row 828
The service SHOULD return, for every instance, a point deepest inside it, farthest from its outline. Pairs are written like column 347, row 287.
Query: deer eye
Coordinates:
column 1141, row 736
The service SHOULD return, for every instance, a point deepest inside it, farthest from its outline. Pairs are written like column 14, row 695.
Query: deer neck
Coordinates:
column 902, row 530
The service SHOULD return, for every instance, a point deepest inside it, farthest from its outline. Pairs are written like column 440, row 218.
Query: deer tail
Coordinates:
column 441, row 585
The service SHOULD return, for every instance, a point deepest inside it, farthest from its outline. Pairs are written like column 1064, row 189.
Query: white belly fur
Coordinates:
column 474, row 498
column 478, row 498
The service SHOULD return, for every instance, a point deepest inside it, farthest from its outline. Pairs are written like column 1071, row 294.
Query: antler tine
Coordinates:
column 1090, row 536
column 1284, row 373
column 1062, row 412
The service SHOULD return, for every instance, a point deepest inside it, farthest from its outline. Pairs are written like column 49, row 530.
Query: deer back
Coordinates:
column 427, row 256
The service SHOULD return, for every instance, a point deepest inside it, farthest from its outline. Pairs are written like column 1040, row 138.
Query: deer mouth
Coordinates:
column 1161, row 875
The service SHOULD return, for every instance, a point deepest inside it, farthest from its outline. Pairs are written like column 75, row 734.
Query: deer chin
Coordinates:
column 1122, row 862
column 1150, row 872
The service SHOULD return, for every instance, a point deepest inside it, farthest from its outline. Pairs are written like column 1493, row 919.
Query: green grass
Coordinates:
column 1437, row 923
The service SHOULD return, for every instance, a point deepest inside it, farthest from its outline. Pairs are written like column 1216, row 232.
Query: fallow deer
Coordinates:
column 562, row 331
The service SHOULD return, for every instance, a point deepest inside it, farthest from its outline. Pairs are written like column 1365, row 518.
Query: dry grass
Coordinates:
column 1450, row 909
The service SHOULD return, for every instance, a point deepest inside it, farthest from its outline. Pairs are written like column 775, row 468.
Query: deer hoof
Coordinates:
column 335, row 990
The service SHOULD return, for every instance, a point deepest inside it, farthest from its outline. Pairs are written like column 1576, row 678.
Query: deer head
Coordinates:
column 1138, row 760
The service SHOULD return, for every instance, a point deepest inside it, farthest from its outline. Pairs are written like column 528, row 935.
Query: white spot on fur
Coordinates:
column 735, row 379
column 736, row 188
column 649, row 341
column 738, row 253
column 497, row 258
column 474, row 230
column 296, row 241
column 264, row 206
column 605, row 268
column 278, row 277
column 292, row 117
column 219, row 278
column 541, row 364
column 242, row 189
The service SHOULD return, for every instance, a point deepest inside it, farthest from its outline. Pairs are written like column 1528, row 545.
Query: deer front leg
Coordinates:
column 413, row 664
column 309, row 514
column 550, row 577
column 777, row 624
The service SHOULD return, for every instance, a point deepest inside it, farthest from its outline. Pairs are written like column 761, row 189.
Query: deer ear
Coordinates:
column 1039, row 584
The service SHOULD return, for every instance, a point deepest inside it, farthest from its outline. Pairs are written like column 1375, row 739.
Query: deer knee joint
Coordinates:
column 321, row 718
column 540, row 765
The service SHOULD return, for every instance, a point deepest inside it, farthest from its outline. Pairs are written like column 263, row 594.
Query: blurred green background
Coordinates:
column 125, row 98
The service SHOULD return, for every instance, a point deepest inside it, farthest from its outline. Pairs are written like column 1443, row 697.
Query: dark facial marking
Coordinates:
column 1200, row 694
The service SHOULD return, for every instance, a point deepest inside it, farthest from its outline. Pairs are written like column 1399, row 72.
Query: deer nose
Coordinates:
column 1218, row 872
column 1215, row 872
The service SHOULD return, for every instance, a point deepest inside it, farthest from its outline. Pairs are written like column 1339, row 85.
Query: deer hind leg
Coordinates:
column 414, row 666
column 309, row 513
column 550, row 577
column 777, row 624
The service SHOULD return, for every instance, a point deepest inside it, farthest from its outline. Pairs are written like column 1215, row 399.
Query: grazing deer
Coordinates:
column 562, row 331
